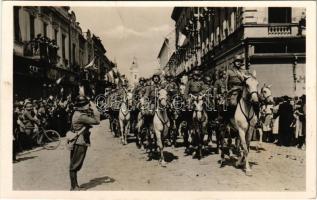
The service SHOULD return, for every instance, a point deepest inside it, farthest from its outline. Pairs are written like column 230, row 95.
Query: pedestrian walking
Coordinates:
column 85, row 115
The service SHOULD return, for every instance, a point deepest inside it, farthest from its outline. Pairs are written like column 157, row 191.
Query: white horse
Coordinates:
column 200, row 121
column 266, row 111
column 245, row 119
column 124, row 117
column 161, row 124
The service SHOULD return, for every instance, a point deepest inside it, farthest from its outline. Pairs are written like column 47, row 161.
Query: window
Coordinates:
column 31, row 27
column 74, row 54
column 63, row 46
column 17, row 33
column 280, row 15
column 232, row 22
column 45, row 29
column 55, row 34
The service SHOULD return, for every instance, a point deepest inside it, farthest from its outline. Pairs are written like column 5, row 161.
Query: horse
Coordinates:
column 124, row 117
column 144, row 133
column 175, row 115
column 161, row 124
column 267, row 102
column 200, row 120
column 244, row 119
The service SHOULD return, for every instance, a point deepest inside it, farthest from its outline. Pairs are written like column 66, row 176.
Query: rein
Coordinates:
column 162, row 121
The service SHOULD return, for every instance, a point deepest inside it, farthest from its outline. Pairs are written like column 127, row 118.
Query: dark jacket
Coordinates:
column 82, row 119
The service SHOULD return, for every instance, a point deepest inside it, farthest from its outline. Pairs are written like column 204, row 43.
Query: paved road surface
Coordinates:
column 111, row 166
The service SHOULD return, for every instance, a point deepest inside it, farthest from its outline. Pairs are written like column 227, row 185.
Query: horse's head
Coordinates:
column 251, row 85
column 198, row 102
column 162, row 97
column 266, row 94
column 129, row 98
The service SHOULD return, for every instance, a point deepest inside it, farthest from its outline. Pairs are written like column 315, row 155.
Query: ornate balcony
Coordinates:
column 42, row 48
column 278, row 29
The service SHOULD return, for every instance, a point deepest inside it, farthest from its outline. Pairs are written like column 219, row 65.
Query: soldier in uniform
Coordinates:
column 139, row 90
column 220, row 90
column 83, row 118
column 195, row 86
column 235, row 79
column 152, row 90
column 171, row 86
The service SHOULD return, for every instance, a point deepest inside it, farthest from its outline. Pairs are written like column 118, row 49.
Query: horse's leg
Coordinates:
column 220, row 141
column 159, row 142
column 121, row 130
column 139, row 133
column 229, row 143
column 243, row 137
column 248, row 140
column 127, row 128
column 200, row 138
column 260, row 139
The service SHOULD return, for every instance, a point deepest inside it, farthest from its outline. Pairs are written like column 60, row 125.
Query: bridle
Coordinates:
column 164, row 123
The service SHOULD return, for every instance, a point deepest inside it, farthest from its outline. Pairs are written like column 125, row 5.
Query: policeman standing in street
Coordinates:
column 85, row 115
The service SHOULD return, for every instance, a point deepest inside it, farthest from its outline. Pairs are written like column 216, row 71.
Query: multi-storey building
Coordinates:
column 48, row 46
column 272, row 40
column 167, row 53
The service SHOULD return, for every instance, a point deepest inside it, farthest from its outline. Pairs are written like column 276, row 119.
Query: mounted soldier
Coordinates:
column 152, row 90
column 197, row 125
column 235, row 79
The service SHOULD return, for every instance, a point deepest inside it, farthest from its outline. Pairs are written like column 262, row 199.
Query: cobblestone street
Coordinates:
column 111, row 166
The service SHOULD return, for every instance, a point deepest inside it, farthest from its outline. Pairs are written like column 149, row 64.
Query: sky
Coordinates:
column 129, row 32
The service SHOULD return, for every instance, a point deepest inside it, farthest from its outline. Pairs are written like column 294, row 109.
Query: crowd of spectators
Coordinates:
column 29, row 114
column 287, row 124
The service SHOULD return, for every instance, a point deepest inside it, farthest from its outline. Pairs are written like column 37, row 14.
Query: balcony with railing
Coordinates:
column 279, row 29
column 274, row 30
column 42, row 48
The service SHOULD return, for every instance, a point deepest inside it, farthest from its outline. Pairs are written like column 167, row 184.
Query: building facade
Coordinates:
column 272, row 41
column 49, row 45
column 167, row 53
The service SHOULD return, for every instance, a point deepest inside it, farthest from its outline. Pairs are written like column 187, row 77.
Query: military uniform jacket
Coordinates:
column 234, row 79
column 220, row 86
column 151, row 90
column 195, row 87
column 80, row 120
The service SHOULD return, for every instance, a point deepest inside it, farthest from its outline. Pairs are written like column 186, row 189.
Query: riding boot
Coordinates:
column 72, row 176
column 75, row 179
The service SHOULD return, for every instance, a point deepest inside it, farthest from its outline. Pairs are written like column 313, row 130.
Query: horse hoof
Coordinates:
column 222, row 164
column 248, row 172
column 163, row 163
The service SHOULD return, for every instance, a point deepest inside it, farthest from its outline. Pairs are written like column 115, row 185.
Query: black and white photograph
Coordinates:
column 160, row 98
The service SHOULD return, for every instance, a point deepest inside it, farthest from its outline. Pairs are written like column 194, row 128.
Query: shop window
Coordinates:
column 280, row 15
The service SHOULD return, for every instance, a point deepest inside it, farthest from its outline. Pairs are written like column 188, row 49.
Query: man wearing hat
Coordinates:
column 235, row 79
column 195, row 86
column 85, row 115
column 139, row 90
column 171, row 86
column 152, row 90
